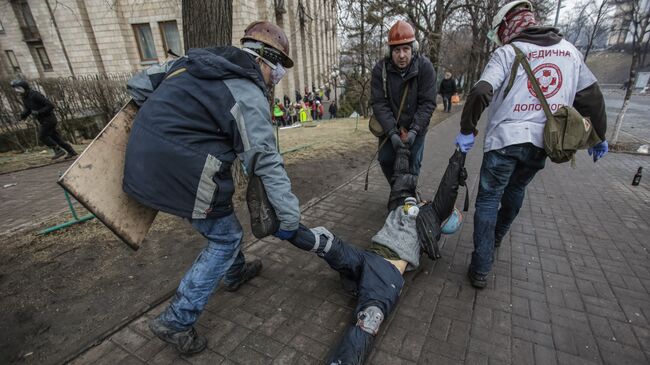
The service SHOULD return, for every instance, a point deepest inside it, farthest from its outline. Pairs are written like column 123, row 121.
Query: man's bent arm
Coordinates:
column 589, row 102
column 253, row 120
column 381, row 105
column 426, row 103
column 478, row 99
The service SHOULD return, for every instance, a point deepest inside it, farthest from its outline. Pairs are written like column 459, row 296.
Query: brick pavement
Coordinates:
column 35, row 197
column 570, row 285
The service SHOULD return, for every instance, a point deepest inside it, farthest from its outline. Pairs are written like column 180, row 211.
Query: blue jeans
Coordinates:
column 505, row 173
column 221, row 258
column 386, row 156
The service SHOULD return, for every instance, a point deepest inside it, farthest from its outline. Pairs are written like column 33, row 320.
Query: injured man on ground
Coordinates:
column 410, row 229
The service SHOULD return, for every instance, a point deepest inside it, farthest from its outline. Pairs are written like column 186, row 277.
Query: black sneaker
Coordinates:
column 250, row 270
column 187, row 342
column 58, row 153
column 477, row 281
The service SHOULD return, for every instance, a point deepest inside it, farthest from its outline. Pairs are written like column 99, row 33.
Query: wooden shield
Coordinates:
column 95, row 180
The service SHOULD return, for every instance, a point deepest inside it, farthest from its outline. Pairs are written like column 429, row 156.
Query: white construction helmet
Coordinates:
column 501, row 15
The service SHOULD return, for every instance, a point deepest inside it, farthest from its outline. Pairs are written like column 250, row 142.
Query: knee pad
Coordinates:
column 323, row 240
column 370, row 319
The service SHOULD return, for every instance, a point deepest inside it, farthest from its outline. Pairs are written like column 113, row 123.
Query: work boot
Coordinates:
column 187, row 342
column 250, row 270
column 478, row 281
column 58, row 152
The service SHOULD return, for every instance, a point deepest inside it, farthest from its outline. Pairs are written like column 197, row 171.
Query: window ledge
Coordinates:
column 147, row 63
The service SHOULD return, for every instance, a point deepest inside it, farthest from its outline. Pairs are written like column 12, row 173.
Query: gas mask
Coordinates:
column 277, row 74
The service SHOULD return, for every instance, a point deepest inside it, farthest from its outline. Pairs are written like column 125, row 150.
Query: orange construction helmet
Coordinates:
column 401, row 33
column 272, row 36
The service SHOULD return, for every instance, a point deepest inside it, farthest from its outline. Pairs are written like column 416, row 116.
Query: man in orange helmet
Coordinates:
column 403, row 74
column 207, row 110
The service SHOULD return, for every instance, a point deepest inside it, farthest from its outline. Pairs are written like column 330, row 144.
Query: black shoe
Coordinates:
column 250, row 270
column 58, row 153
column 477, row 281
column 186, row 342
column 71, row 155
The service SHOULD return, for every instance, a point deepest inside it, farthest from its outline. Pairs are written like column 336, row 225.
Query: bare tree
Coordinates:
column 639, row 27
column 362, row 23
column 598, row 20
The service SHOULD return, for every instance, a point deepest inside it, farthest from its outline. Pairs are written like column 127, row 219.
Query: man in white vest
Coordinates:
column 513, row 149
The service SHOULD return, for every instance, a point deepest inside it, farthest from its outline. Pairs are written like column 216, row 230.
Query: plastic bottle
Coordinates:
column 637, row 177
column 411, row 207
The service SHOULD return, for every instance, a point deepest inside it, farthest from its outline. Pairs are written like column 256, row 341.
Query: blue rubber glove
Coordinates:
column 285, row 235
column 599, row 150
column 465, row 142
column 411, row 137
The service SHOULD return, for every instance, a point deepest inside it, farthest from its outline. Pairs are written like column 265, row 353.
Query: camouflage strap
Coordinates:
column 520, row 58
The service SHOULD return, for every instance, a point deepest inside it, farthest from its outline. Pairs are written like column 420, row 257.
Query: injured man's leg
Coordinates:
column 379, row 283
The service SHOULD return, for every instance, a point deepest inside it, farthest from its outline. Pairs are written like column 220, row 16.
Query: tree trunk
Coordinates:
column 628, row 94
column 207, row 23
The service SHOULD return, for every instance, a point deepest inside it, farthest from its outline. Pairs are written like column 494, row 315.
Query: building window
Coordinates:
column 144, row 38
column 27, row 14
column 171, row 38
column 13, row 61
column 42, row 56
column 2, row 29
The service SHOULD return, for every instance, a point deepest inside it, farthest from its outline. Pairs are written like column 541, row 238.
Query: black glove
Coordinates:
column 428, row 227
column 396, row 141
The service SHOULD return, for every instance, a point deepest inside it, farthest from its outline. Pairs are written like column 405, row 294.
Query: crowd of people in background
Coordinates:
column 305, row 108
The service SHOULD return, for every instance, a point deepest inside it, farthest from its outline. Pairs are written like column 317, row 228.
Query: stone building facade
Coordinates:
column 53, row 38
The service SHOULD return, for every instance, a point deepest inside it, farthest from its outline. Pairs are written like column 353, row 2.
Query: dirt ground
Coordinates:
column 16, row 161
column 62, row 292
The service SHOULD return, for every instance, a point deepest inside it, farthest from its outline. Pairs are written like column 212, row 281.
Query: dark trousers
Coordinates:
column 51, row 137
column 386, row 156
column 379, row 284
column 505, row 173
column 446, row 102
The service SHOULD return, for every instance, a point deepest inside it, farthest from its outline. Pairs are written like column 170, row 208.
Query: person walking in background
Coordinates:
column 293, row 114
column 314, row 110
column 319, row 110
column 278, row 113
column 447, row 89
column 513, row 151
column 37, row 105
column 332, row 109
column 304, row 113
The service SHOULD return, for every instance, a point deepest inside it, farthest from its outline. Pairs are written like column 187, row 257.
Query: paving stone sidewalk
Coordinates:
column 570, row 285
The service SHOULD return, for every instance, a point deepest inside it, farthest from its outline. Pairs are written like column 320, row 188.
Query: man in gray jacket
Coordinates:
column 211, row 108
